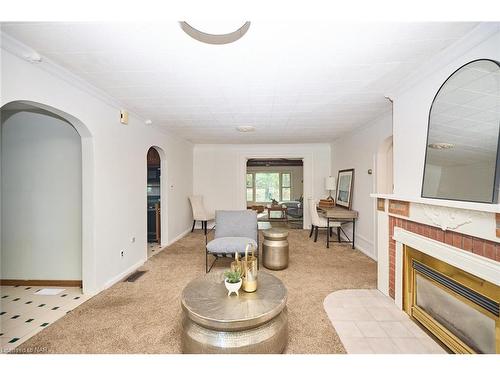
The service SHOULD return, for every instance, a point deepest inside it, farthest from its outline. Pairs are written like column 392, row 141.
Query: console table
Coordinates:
column 342, row 215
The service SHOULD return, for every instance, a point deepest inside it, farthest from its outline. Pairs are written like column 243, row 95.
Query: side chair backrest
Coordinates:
column 313, row 212
column 236, row 224
column 197, row 206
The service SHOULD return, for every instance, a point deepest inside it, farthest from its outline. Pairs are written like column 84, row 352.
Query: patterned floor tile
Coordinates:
column 23, row 313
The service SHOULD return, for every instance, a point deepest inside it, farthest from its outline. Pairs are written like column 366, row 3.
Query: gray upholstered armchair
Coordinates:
column 233, row 231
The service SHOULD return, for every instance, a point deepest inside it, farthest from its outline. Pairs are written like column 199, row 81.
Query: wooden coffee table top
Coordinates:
column 205, row 301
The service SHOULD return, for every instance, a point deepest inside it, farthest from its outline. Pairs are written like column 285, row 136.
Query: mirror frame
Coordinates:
column 496, row 185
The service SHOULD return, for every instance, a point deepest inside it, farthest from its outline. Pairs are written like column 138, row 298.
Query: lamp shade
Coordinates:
column 330, row 183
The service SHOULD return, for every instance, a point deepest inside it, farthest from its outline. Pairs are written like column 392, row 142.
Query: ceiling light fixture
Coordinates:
column 441, row 146
column 245, row 128
column 215, row 35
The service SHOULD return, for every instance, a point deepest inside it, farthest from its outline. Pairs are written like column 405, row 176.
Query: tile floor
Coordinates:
column 153, row 248
column 369, row 322
column 24, row 313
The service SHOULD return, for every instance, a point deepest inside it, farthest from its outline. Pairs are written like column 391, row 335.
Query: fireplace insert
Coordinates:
column 458, row 308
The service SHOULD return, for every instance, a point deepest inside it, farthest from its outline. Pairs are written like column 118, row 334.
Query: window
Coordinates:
column 263, row 187
column 286, row 187
column 249, row 187
column 267, row 186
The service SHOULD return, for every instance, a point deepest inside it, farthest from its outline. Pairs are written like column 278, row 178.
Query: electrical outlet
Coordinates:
column 122, row 253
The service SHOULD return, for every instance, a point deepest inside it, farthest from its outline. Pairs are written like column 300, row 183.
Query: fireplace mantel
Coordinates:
column 470, row 227
column 484, row 207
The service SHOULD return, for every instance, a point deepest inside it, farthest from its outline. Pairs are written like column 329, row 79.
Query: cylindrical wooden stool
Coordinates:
column 275, row 249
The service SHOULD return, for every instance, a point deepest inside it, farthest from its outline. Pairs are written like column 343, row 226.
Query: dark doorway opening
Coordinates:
column 153, row 201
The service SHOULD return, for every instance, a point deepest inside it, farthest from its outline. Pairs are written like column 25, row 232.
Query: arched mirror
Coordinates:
column 462, row 154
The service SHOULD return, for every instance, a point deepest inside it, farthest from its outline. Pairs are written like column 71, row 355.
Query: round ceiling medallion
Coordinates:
column 214, row 38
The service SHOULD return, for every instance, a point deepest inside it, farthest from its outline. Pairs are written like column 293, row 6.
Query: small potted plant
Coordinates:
column 232, row 281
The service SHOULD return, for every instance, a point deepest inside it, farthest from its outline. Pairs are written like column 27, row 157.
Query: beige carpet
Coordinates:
column 144, row 317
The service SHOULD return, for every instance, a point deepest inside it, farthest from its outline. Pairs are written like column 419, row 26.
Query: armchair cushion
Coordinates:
column 229, row 245
column 236, row 224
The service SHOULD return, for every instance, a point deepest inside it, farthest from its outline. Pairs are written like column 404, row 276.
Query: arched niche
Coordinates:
column 89, row 283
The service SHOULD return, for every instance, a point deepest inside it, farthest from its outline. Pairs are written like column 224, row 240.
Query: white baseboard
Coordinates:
column 177, row 238
column 134, row 267
column 122, row 275
column 363, row 245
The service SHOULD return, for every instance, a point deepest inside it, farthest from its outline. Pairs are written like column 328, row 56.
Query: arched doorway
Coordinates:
column 57, row 174
column 155, row 200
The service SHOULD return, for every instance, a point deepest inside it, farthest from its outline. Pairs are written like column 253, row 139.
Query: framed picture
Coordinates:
column 345, row 182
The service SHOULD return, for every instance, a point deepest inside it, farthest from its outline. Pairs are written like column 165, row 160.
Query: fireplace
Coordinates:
column 458, row 308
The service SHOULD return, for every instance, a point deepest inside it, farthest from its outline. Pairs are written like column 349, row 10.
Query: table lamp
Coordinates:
column 330, row 185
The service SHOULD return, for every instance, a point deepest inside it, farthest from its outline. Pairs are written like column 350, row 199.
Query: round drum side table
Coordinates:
column 275, row 249
column 214, row 322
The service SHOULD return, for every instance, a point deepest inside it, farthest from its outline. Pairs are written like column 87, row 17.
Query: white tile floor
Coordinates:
column 369, row 322
column 24, row 313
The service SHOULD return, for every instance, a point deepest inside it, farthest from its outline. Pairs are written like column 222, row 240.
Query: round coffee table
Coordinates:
column 214, row 322
column 275, row 249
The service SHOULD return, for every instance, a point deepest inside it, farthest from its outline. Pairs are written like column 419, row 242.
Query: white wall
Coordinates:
column 116, row 170
column 358, row 150
column 219, row 171
column 411, row 111
column 297, row 176
column 41, row 197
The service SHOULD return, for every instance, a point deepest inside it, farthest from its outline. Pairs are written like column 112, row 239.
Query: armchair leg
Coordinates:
column 207, row 268
column 312, row 230
column 205, row 226
column 213, row 263
column 194, row 223
column 316, row 234
column 338, row 234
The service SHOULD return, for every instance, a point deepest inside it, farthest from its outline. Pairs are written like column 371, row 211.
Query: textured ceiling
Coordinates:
column 294, row 82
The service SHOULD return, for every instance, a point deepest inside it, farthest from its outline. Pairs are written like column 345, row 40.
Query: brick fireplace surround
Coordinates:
column 479, row 246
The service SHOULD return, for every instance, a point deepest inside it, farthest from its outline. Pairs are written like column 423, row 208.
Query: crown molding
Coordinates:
column 23, row 52
column 479, row 34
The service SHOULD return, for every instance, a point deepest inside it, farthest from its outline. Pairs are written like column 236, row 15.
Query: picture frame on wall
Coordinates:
column 345, row 181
